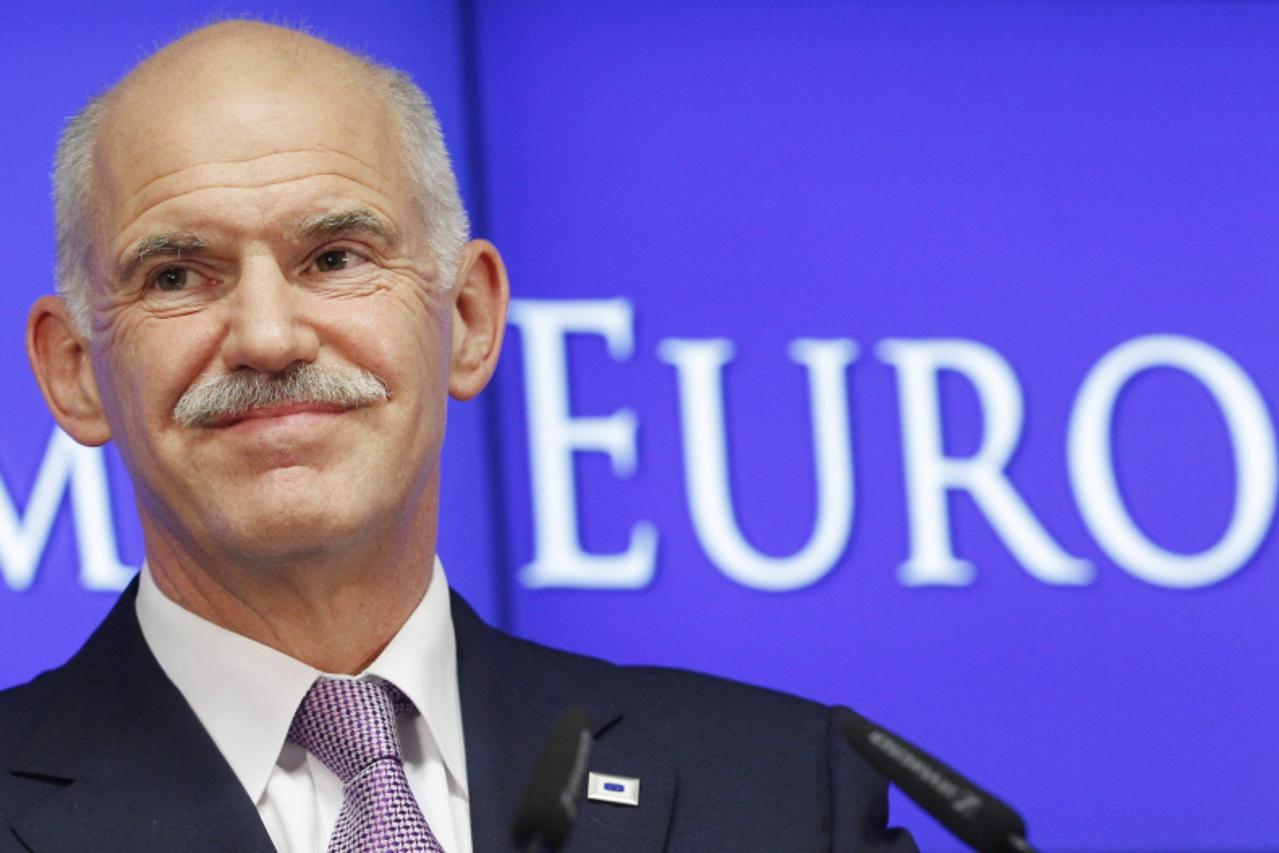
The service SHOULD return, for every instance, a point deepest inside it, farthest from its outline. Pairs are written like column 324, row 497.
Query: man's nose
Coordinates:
column 268, row 327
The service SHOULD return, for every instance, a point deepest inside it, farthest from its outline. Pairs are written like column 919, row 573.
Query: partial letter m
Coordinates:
column 23, row 538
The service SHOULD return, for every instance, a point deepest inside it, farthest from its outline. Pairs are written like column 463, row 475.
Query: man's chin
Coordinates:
column 290, row 540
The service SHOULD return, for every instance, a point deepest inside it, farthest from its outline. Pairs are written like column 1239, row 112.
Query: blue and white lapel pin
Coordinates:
column 622, row 790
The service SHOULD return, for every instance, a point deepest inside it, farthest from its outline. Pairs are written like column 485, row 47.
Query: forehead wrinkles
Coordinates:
column 262, row 163
column 253, row 173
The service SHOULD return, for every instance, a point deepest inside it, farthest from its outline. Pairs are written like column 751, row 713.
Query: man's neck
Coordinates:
column 335, row 613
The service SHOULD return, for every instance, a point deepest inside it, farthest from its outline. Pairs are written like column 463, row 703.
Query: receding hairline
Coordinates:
column 273, row 47
column 265, row 53
column 195, row 55
column 211, row 49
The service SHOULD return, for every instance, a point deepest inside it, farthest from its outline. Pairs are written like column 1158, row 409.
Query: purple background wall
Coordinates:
column 1044, row 181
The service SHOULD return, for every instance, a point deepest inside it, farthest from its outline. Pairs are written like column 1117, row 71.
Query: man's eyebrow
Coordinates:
column 359, row 219
column 169, row 244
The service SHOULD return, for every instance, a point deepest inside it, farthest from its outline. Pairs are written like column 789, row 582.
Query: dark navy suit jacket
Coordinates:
column 104, row 754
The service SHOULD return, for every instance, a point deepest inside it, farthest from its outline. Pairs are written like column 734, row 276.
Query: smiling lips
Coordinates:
column 278, row 411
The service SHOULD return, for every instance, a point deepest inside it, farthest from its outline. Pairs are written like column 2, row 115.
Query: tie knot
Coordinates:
column 348, row 725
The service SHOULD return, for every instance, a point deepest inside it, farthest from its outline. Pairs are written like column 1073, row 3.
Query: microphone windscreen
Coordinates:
column 976, row 817
column 549, row 807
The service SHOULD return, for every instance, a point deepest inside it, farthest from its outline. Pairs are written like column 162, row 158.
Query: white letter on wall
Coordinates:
column 554, row 436
column 23, row 537
column 930, row 473
column 699, row 364
column 1092, row 473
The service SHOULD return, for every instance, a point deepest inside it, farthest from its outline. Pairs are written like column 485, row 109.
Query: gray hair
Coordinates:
column 427, row 158
column 73, row 209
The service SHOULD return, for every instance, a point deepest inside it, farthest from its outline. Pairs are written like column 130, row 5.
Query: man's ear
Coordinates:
column 60, row 359
column 479, row 318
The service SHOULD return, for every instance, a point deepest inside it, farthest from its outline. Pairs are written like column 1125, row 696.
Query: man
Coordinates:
column 266, row 294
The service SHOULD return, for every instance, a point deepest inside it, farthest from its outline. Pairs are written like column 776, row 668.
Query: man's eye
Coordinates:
column 337, row 259
column 173, row 278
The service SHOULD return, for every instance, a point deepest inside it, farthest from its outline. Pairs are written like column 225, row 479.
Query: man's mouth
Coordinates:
column 278, row 410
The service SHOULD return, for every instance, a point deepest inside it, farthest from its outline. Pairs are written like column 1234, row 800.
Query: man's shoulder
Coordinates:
column 676, row 693
column 682, row 696
column 744, row 756
column 699, row 721
column 21, row 707
column 707, row 711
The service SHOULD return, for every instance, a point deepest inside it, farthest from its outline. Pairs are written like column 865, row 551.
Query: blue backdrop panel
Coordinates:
column 58, row 56
column 1042, row 226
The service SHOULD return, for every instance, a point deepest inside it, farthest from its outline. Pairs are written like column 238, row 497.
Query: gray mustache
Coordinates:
column 212, row 398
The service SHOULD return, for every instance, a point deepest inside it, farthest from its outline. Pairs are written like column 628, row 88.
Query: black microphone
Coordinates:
column 549, row 807
column 978, row 818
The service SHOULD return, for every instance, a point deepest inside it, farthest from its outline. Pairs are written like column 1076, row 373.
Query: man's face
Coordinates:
column 243, row 226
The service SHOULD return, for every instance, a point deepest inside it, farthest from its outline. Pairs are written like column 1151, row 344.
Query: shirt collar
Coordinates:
column 421, row 660
column 245, row 693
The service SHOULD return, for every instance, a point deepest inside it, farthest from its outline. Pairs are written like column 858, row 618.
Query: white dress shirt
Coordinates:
column 246, row 694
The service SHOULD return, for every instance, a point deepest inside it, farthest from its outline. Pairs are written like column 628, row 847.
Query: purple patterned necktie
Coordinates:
column 350, row 727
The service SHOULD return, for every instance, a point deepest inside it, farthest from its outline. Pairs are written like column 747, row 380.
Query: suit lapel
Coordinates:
column 512, row 692
column 138, row 771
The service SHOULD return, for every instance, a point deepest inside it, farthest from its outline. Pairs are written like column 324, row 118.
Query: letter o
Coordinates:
column 1092, row 473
